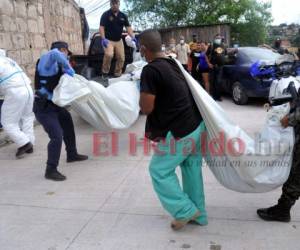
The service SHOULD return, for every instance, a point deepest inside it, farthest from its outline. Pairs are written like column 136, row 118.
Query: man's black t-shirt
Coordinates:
column 114, row 24
column 218, row 55
column 175, row 109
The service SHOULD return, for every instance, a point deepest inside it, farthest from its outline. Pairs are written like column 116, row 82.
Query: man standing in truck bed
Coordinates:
column 111, row 27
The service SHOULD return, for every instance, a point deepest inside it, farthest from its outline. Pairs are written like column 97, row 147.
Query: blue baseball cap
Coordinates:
column 60, row 45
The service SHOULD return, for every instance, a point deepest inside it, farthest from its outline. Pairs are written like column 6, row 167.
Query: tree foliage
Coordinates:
column 249, row 18
column 296, row 40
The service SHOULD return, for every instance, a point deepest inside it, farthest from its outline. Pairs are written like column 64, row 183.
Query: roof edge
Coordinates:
column 193, row 26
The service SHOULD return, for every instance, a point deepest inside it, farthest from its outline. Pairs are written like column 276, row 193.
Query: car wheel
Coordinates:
column 238, row 94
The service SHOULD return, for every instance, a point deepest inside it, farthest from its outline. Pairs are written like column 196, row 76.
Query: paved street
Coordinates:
column 108, row 202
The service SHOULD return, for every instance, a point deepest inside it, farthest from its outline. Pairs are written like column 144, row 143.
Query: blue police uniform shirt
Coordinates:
column 50, row 62
column 49, row 66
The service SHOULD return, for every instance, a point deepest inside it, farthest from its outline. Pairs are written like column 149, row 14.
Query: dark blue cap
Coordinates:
column 60, row 45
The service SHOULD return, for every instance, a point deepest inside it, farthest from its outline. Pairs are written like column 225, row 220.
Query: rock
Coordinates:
column 15, row 55
column 18, row 40
column 32, row 11
column 33, row 26
column 6, row 7
column 8, row 23
column 26, row 57
column 22, row 25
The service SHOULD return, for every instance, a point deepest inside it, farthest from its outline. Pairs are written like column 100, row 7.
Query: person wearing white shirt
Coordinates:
column 183, row 51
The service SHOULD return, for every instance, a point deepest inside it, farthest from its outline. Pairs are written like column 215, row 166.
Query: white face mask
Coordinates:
column 163, row 48
column 181, row 41
column 218, row 41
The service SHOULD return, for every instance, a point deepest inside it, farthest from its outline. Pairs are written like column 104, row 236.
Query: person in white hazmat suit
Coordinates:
column 17, row 117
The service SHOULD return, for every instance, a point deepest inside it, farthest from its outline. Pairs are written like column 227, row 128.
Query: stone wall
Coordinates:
column 28, row 27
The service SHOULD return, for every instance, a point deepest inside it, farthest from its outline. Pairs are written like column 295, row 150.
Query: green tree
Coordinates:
column 249, row 18
column 296, row 41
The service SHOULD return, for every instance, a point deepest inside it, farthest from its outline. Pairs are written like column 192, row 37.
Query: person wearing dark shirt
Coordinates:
column 173, row 119
column 217, row 59
column 195, row 55
column 111, row 27
column 291, row 188
column 193, row 44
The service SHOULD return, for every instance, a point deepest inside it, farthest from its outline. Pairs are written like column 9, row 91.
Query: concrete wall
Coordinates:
column 28, row 27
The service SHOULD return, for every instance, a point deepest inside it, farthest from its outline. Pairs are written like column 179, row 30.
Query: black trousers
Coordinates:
column 196, row 75
column 216, row 81
column 291, row 188
column 58, row 124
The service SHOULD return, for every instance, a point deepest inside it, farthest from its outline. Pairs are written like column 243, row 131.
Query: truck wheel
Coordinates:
column 238, row 94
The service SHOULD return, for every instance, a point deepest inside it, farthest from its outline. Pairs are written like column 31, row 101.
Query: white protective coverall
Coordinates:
column 16, row 114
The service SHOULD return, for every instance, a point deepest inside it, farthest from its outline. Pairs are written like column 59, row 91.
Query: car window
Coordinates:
column 257, row 54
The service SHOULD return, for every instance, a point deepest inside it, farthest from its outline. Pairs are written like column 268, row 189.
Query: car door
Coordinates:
column 231, row 71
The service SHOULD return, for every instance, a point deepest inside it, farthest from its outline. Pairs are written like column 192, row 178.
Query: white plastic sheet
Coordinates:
column 278, row 86
column 70, row 90
column 266, row 161
column 115, row 107
column 129, row 41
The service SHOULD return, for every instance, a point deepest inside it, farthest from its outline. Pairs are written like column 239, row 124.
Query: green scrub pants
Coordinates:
column 181, row 203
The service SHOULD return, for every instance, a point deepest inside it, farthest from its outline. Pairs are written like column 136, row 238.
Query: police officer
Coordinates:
column 291, row 188
column 56, row 121
column 217, row 59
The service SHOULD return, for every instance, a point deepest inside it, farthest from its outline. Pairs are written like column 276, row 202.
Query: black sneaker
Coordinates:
column 54, row 175
column 23, row 150
column 275, row 213
column 77, row 157
column 29, row 151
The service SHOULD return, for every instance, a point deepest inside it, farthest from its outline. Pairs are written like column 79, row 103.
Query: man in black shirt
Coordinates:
column 217, row 59
column 174, row 122
column 111, row 27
